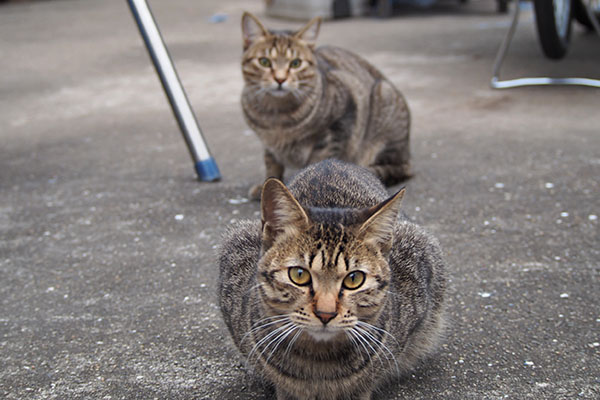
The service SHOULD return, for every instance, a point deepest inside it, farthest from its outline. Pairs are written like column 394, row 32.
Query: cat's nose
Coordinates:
column 325, row 317
column 280, row 80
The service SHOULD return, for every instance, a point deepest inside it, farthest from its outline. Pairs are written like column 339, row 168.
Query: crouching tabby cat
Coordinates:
column 333, row 294
column 308, row 104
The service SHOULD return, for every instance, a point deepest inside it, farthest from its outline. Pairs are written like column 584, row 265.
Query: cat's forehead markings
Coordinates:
column 316, row 262
column 340, row 257
column 273, row 52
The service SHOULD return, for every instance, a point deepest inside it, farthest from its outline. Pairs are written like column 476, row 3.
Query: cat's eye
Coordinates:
column 354, row 280
column 299, row 276
column 295, row 63
column 265, row 62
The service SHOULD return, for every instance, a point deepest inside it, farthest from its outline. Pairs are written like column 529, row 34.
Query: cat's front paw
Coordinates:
column 255, row 192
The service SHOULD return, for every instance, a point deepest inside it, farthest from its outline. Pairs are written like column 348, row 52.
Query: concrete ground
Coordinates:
column 107, row 241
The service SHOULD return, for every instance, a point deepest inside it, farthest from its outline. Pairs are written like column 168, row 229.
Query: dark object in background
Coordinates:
column 385, row 8
column 341, row 9
column 307, row 9
column 502, row 6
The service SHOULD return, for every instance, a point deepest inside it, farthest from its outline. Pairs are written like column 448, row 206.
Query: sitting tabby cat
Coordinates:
column 333, row 294
column 308, row 104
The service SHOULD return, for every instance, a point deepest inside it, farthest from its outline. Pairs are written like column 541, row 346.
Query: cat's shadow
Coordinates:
column 247, row 387
column 410, row 384
column 250, row 387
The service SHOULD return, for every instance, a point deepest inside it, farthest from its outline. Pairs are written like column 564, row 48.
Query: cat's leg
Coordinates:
column 273, row 168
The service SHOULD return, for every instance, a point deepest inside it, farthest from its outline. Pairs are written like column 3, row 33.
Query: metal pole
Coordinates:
column 204, row 163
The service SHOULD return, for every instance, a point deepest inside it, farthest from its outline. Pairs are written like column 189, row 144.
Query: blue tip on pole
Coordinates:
column 207, row 170
column 205, row 165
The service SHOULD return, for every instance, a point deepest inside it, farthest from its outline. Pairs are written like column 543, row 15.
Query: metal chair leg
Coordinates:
column 204, row 163
column 496, row 83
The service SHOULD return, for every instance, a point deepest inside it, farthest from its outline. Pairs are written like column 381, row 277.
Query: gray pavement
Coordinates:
column 107, row 241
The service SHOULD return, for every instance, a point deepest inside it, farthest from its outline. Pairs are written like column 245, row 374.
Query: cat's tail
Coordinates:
column 391, row 174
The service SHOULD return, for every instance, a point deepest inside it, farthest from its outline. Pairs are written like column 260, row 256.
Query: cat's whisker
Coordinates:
column 381, row 346
column 305, row 84
column 372, row 338
column 263, row 323
column 291, row 343
column 369, row 326
column 296, row 95
column 272, row 331
column 282, row 316
column 253, row 287
column 266, row 338
column 361, row 342
column 282, row 333
column 282, row 338
column 254, row 301
column 259, row 91
column 279, row 319
column 351, row 335
column 366, row 340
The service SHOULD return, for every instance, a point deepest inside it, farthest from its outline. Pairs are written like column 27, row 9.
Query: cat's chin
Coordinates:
column 324, row 334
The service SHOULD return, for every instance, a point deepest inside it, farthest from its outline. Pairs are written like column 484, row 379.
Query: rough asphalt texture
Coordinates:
column 107, row 241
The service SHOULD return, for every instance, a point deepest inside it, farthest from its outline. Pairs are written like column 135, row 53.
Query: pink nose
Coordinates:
column 325, row 317
column 280, row 80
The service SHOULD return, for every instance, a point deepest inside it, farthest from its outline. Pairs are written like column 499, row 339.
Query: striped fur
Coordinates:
column 330, row 104
column 342, row 222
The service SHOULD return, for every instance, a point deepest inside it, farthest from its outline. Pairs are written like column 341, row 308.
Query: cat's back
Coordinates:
column 336, row 184
column 336, row 58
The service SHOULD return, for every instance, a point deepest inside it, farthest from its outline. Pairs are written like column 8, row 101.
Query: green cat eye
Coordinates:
column 354, row 280
column 299, row 276
column 265, row 62
column 295, row 63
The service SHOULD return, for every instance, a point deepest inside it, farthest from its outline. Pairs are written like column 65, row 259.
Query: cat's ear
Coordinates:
column 310, row 31
column 252, row 29
column 282, row 215
column 378, row 229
